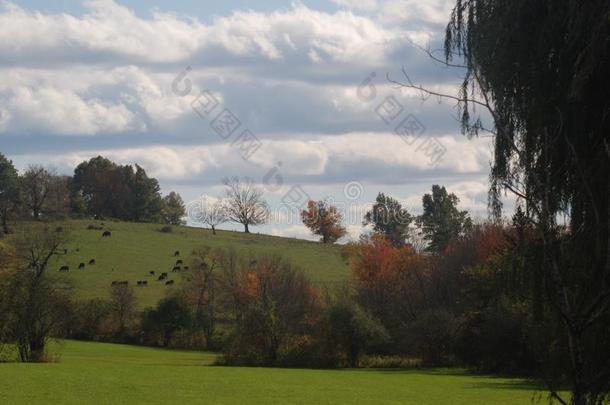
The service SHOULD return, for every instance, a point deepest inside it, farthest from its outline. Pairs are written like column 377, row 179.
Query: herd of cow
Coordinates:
column 178, row 266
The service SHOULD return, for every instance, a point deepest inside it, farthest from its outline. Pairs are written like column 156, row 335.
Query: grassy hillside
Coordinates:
column 135, row 249
column 117, row 374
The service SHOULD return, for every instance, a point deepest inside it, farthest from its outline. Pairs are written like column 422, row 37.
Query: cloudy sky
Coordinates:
column 293, row 95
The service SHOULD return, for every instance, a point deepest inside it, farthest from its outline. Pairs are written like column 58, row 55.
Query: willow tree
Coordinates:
column 540, row 68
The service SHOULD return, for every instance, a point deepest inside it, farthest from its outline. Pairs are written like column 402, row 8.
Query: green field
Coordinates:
column 135, row 249
column 116, row 374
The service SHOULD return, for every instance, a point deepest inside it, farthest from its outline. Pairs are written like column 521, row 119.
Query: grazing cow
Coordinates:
column 114, row 283
column 170, row 282
column 176, row 253
column 152, row 273
column 186, row 267
column 92, row 261
column 106, row 234
column 162, row 277
column 64, row 268
column 142, row 283
column 81, row 266
column 178, row 262
column 175, row 269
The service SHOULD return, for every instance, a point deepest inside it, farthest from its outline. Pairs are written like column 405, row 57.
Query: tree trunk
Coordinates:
column 213, row 230
column 5, row 229
column 246, row 229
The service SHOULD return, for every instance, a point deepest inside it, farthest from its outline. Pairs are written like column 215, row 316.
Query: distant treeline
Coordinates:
column 99, row 188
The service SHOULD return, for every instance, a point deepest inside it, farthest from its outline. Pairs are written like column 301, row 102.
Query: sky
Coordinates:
column 294, row 96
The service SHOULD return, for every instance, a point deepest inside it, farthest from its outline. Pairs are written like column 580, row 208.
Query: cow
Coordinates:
column 64, row 268
column 176, row 253
column 170, row 282
column 186, row 267
column 106, row 234
column 91, row 262
column 81, row 266
column 152, row 273
column 178, row 262
column 162, row 277
column 142, row 283
column 175, row 269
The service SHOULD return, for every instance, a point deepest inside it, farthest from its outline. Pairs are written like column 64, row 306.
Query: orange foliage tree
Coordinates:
column 323, row 219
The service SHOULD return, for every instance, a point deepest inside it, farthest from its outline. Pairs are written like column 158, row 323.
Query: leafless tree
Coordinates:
column 245, row 203
column 31, row 299
column 123, row 306
column 214, row 214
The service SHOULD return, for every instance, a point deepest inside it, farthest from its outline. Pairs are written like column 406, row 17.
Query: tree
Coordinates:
column 215, row 214
column 122, row 307
column 548, row 101
column 173, row 209
column 441, row 221
column 170, row 315
column 199, row 291
column 147, row 202
column 35, row 187
column 33, row 299
column 9, row 191
column 57, row 203
column 245, row 203
column 389, row 218
column 323, row 219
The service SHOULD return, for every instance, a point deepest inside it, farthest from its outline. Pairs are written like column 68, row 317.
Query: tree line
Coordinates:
column 99, row 188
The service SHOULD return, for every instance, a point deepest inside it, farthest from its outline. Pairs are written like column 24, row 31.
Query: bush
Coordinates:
column 167, row 229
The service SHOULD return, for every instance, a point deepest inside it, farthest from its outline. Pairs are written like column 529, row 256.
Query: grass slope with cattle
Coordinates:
column 135, row 250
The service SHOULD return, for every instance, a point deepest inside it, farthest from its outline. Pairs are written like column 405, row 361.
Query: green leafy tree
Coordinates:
column 389, row 218
column 173, row 209
column 540, row 69
column 9, row 192
column 442, row 222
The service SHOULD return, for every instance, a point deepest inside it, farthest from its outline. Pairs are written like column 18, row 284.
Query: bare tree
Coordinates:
column 36, row 185
column 31, row 299
column 214, row 214
column 245, row 203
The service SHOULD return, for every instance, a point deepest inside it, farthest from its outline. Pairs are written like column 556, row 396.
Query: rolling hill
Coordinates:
column 135, row 249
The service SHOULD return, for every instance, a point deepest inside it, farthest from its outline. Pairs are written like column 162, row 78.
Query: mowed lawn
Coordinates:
column 136, row 249
column 99, row 373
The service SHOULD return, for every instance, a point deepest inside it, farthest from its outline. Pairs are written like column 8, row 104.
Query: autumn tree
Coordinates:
column 245, row 203
column 387, row 216
column 173, row 209
column 9, row 192
column 35, row 187
column 325, row 220
column 441, row 221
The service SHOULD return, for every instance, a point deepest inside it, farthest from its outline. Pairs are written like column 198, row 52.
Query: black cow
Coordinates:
column 170, row 282
column 175, row 269
column 152, row 273
column 142, row 283
column 106, row 234
column 64, row 268
column 186, row 267
column 176, row 253
column 81, row 266
column 162, row 277
column 178, row 262
column 92, row 261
